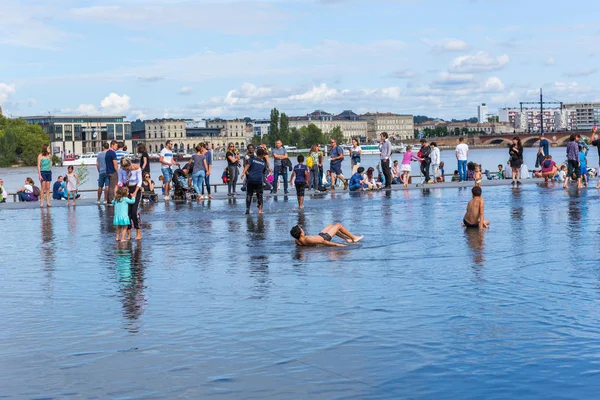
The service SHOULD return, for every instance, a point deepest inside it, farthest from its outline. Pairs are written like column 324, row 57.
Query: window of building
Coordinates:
column 58, row 132
column 119, row 132
column 77, row 131
column 110, row 131
column 127, row 132
column 68, row 132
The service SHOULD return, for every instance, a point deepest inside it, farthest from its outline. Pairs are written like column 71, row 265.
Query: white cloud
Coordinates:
column 115, row 104
column 6, row 91
column 452, row 79
column 87, row 109
column 493, row 84
column 582, row 72
column 242, row 18
column 186, row 90
column 317, row 94
column 549, row 61
column 446, row 44
column 478, row 62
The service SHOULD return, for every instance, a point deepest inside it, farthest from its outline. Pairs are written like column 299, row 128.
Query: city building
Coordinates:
column 482, row 113
column 261, row 127
column 398, row 126
column 585, row 115
column 82, row 134
column 529, row 120
column 158, row 131
column 326, row 122
column 232, row 131
column 195, row 123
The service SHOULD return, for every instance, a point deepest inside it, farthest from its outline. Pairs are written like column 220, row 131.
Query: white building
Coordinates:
column 261, row 127
column 585, row 115
column 482, row 112
column 195, row 123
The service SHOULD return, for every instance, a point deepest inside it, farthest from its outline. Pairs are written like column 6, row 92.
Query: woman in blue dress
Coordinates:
column 121, row 219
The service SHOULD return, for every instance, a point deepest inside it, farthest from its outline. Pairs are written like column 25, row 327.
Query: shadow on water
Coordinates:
column 130, row 276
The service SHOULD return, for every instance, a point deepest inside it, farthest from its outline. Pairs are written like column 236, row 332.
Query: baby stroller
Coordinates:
column 181, row 190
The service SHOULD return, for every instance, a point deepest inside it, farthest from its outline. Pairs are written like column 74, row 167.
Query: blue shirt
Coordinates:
column 355, row 179
column 545, row 146
column 256, row 168
column 108, row 159
column 582, row 161
column 208, row 156
column 336, row 152
column 101, row 160
column 280, row 152
column 120, row 154
column 300, row 170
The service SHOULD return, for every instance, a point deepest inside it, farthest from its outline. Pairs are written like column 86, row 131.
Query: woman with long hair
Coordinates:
column 44, row 165
column 200, row 168
column 516, row 159
column 130, row 176
column 355, row 155
column 233, row 163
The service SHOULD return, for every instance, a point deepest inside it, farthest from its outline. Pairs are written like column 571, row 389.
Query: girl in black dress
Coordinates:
column 516, row 160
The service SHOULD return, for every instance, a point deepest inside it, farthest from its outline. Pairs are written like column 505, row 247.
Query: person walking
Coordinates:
column 314, row 166
column 72, row 184
column 254, row 173
column 515, row 153
column 385, row 153
column 574, row 170
column 279, row 167
column 208, row 155
column 425, row 159
column 166, row 161
column 462, row 154
column 233, row 162
column 355, row 155
column 110, row 158
column 44, row 164
column 336, row 156
column 130, row 176
column 200, row 168
column 102, row 177
column 435, row 161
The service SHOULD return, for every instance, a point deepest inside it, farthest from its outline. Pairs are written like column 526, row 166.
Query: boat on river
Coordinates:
column 84, row 159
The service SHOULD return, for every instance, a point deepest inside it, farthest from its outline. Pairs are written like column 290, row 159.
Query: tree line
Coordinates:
column 20, row 142
column 303, row 138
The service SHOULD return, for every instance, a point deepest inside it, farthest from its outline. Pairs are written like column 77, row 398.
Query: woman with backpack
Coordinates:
column 28, row 191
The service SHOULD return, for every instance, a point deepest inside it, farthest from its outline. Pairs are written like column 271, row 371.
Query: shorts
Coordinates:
column 583, row 171
column 300, row 186
column 469, row 225
column 102, row 180
column 167, row 174
column 46, row 176
column 325, row 236
column 336, row 168
column 574, row 169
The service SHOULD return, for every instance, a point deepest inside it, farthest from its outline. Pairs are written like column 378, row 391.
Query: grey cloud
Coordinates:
column 582, row 73
column 151, row 78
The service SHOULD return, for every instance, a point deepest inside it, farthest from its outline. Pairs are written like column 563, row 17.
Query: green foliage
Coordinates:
column 83, row 174
column 256, row 140
column 336, row 133
column 274, row 127
column 284, row 128
column 56, row 160
column 494, row 118
column 18, row 139
column 311, row 135
column 295, row 137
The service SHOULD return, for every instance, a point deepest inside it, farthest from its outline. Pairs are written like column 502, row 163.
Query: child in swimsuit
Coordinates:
column 324, row 237
column 474, row 217
column 477, row 175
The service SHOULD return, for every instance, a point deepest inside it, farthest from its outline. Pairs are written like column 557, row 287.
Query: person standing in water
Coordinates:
column 254, row 172
column 44, row 165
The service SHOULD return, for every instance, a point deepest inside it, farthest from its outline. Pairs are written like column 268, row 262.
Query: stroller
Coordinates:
column 181, row 190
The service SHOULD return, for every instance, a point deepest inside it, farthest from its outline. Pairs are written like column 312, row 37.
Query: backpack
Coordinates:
column 309, row 162
column 36, row 191
column 225, row 175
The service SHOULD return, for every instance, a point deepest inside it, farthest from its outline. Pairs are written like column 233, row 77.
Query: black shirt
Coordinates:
column 146, row 169
column 232, row 155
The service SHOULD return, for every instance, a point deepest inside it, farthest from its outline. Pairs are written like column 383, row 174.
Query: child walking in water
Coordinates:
column 72, row 183
column 405, row 168
column 121, row 219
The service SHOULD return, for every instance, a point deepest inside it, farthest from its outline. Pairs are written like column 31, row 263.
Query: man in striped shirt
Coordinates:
column 121, row 153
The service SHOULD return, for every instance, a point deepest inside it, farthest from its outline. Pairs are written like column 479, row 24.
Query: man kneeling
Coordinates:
column 324, row 237
column 474, row 217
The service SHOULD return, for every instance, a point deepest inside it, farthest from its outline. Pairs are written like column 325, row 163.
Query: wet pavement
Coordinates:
column 215, row 303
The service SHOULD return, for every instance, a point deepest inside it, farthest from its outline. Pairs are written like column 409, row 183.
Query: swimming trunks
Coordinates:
column 469, row 225
column 325, row 236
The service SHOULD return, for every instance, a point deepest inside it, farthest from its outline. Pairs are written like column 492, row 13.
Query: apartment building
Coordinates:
column 232, row 131
column 349, row 126
column 398, row 126
column 158, row 131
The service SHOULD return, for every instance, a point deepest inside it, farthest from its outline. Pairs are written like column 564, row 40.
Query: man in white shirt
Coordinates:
column 435, row 161
column 462, row 153
column 385, row 152
column 166, row 160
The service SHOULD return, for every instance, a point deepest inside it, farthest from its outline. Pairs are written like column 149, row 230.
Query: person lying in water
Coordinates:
column 324, row 237
column 474, row 217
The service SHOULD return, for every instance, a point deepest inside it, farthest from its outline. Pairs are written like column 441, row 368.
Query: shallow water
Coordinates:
column 214, row 303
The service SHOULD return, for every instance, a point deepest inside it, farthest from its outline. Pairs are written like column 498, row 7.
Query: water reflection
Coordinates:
column 476, row 242
column 130, row 275
column 259, row 270
column 48, row 247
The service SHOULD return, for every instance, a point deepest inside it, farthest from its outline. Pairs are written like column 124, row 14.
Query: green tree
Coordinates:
column 284, row 128
column 256, row 140
column 465, row 131
column 336, row 133
column 18, row 139
column 310, row 135
column 274, row 128
column 295, row 138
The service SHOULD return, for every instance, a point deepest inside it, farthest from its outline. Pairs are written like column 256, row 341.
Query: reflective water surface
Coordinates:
column 214, row 303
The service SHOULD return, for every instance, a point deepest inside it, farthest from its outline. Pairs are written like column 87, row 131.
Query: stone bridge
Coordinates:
column 528, row 139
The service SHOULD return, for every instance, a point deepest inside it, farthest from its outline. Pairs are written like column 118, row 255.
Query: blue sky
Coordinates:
column 200, row 59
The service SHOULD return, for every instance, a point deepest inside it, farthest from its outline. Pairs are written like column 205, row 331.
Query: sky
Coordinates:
column 208, row 58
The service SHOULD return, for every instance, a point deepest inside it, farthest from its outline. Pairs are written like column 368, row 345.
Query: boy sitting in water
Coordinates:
column 324, row 237
column 474, row 217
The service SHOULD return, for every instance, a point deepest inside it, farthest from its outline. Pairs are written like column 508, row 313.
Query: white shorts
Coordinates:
column 405, row 168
